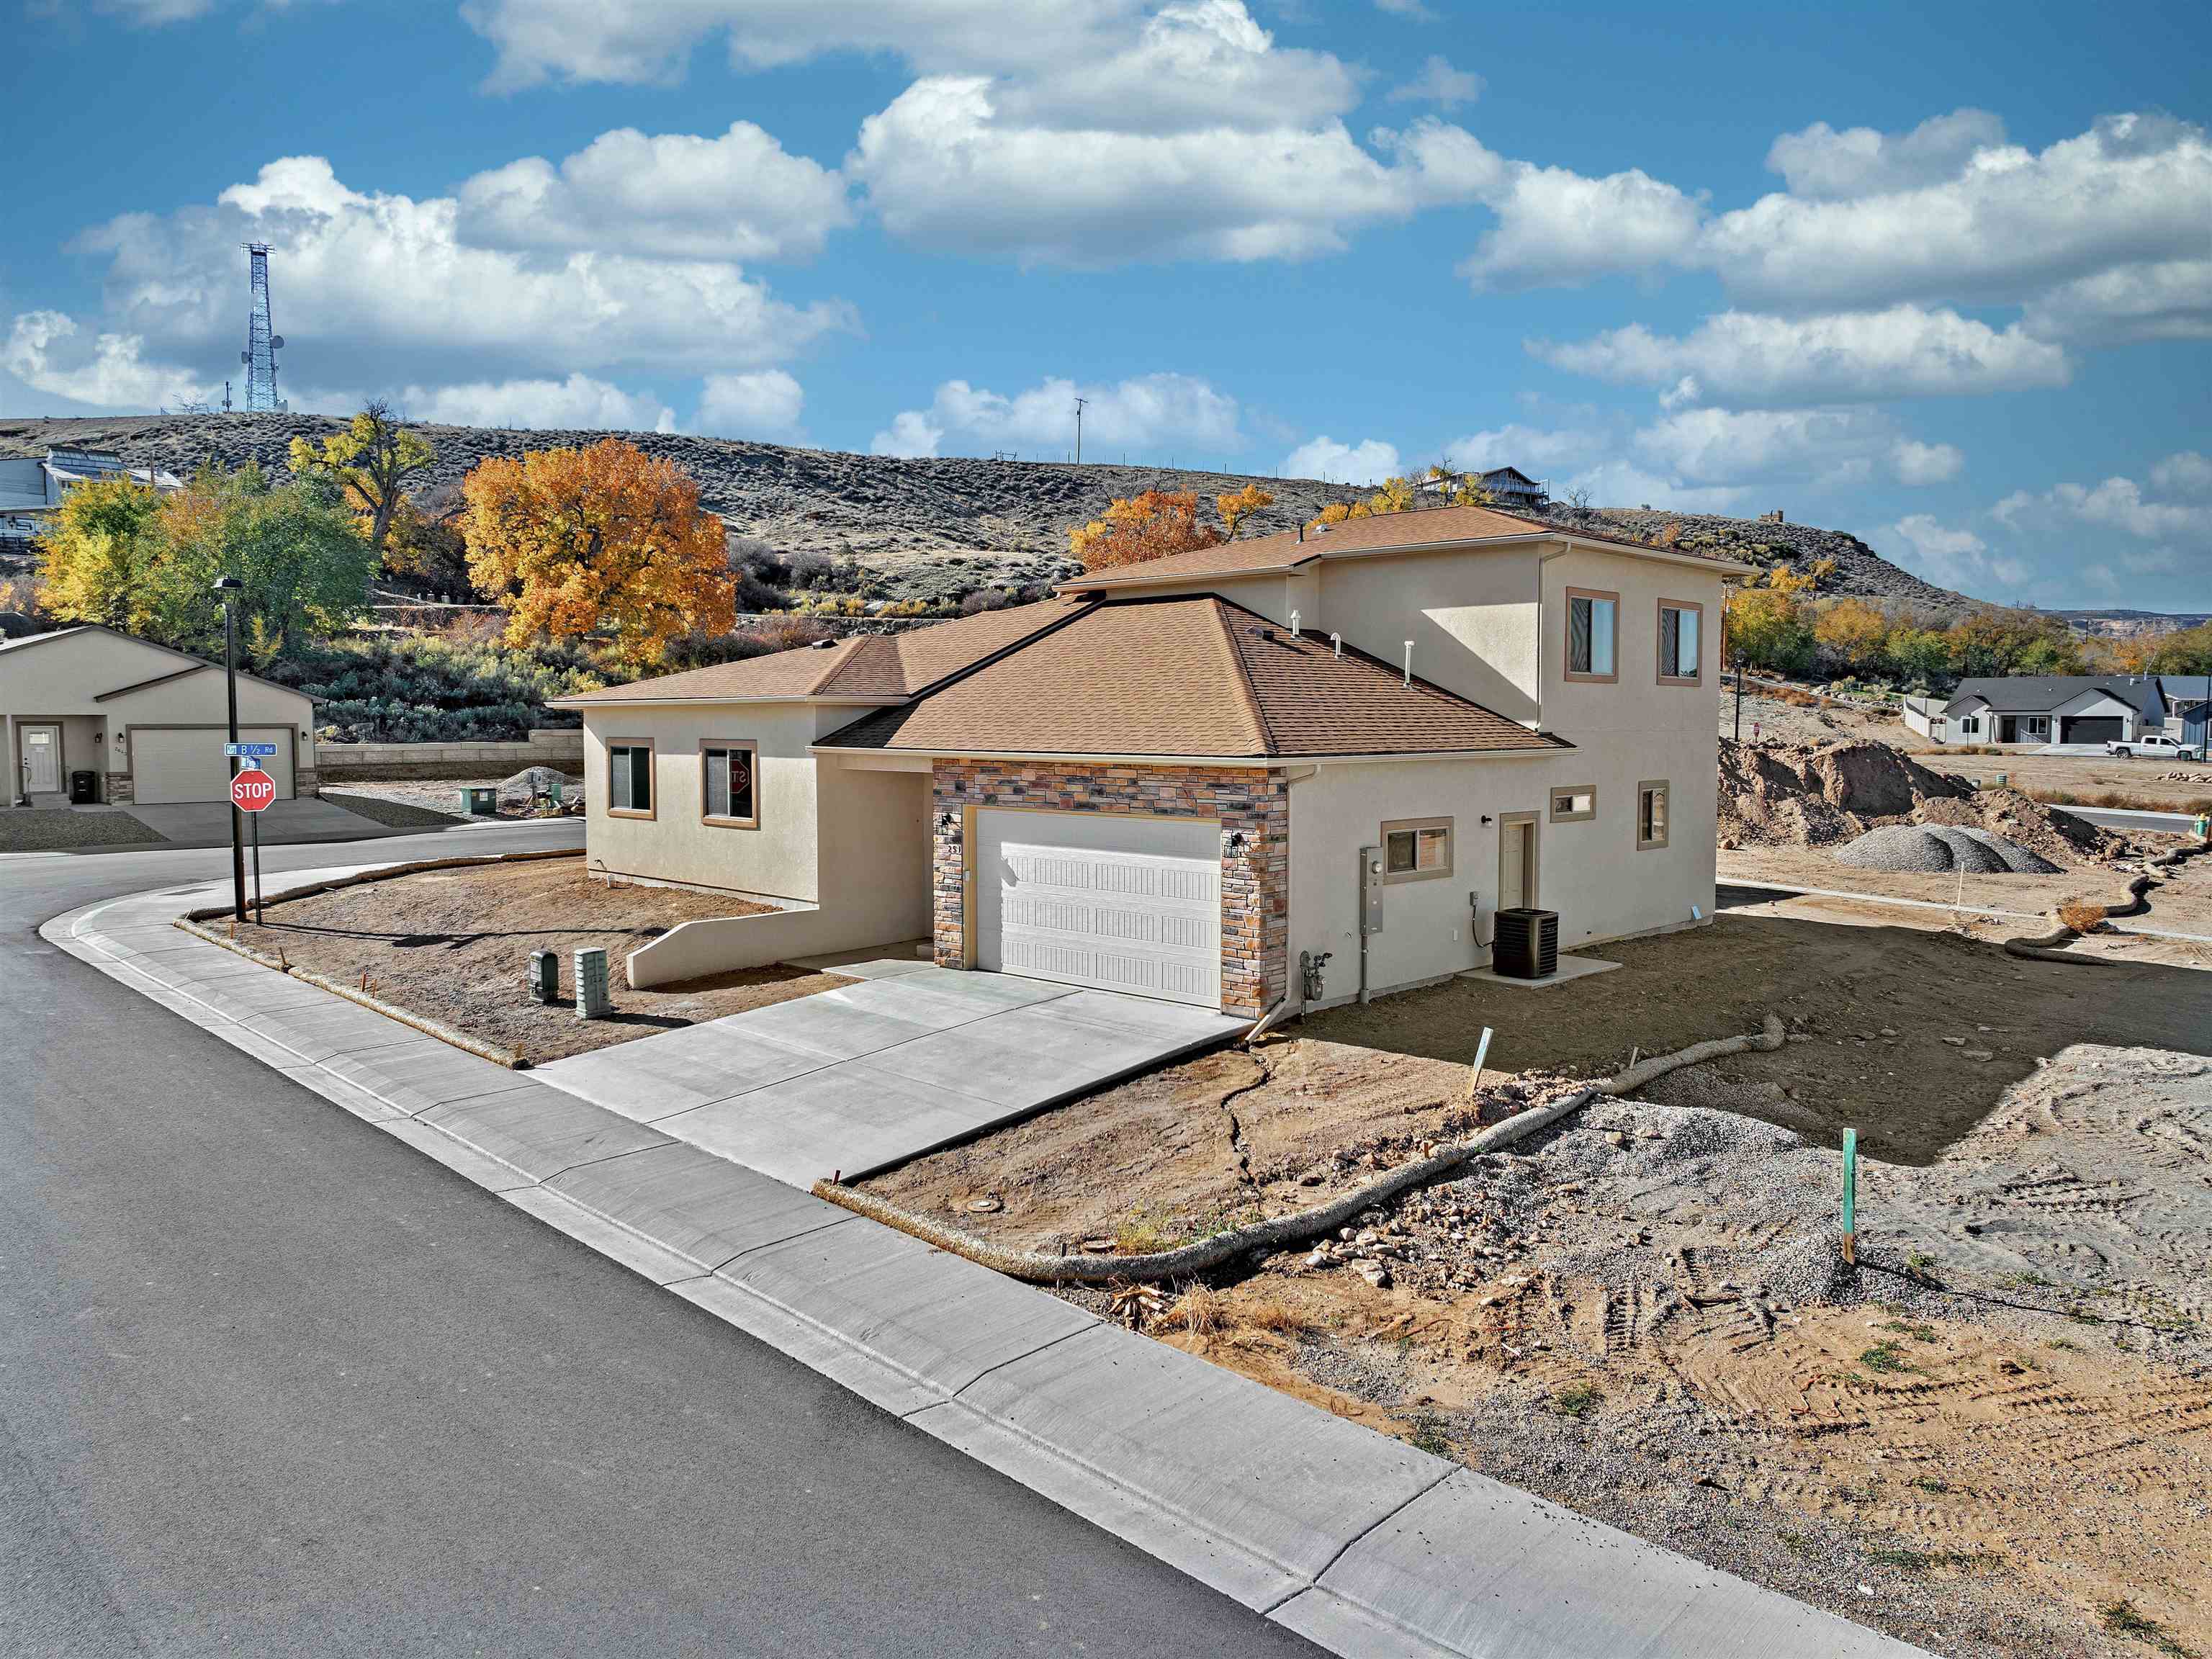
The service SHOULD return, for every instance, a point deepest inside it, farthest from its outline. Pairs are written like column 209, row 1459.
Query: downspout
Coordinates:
column 1292, row 986
column 1543, row 559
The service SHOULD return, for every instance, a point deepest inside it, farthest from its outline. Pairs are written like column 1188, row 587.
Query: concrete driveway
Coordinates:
column 207, row 823
column 869, row 1075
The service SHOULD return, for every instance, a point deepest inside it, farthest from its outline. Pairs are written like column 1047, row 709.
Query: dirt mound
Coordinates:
column 1802, row 794
column 1933, row 849
column 1810, row 794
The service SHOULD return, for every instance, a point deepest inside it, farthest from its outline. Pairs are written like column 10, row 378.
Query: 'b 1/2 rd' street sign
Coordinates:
column 251, row 751
column 251, row 791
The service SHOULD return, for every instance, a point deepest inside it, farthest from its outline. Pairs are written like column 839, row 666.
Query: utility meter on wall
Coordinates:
column 1370, row 890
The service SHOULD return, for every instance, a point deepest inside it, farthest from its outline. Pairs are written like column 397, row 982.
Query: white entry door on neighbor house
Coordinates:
column 1097, row 899
column 42, row 758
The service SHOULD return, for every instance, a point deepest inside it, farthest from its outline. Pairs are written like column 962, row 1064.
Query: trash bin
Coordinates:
column 480, row 803
column 84, row 788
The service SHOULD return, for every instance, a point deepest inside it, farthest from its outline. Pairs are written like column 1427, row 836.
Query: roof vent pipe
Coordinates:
column 1336, row 642
column 1294, row 624
column 1409, row 665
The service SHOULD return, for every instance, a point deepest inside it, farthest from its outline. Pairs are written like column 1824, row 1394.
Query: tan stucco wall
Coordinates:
column 847, row 851
column 1471, row 616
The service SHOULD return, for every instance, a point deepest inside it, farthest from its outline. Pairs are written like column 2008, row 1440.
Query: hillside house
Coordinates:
column 31, row 490
column 1169, row 778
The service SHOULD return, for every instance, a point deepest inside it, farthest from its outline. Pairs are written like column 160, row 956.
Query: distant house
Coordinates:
column 2030, row 710
column 1506, row 486
column 2188, row 700
column 31, row 490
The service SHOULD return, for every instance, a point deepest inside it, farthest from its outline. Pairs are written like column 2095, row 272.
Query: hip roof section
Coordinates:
column 1186, row 677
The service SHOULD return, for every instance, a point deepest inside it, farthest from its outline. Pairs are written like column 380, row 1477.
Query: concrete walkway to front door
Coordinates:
column 869, row 1075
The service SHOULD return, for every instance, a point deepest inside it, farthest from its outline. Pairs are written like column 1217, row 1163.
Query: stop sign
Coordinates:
column 251, row 791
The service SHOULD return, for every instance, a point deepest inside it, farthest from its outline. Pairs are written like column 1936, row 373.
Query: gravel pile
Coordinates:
column 1937, row 849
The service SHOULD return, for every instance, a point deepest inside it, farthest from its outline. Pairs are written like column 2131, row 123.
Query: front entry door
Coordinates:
column 42, row 759
column 1517, row 861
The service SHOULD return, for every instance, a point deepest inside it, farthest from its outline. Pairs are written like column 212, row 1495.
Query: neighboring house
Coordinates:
column 2188, row 700
column 1167, row 778
column 1925, row 714
column 1507, row 486
column 31, row 490
column 2030, row 710
column 147, row 722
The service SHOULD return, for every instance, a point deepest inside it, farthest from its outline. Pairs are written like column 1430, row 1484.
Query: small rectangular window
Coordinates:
column 731, row 784
column 1417, row 849
column 1573, row 806
column 1680, row 623
column 1591, row 618
column 1651, row 815
column 629, row 779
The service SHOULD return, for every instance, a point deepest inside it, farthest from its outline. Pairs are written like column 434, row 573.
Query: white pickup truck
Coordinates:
column 2157, row 745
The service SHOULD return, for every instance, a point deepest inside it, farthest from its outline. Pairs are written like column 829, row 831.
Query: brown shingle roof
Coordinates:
column 871, row 666
column 1194, row 676
column 1439, row 526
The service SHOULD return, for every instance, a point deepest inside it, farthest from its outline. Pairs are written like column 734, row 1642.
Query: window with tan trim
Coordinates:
column 629, row 778
column 1573, row 803
column 1650, row 814
column 1593, row 634
column 1681, row 638
column 729, row 794
column 1417, row 849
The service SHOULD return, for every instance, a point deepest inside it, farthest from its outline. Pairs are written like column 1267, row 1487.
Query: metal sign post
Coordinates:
column 252, row 789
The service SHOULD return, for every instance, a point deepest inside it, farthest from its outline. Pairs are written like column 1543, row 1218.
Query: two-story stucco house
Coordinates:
column 1162, row 779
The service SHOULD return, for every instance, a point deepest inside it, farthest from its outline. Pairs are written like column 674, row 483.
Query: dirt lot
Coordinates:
column 1996, row 1437
column 438, row 798
column 2089, row 779
column 454, row 945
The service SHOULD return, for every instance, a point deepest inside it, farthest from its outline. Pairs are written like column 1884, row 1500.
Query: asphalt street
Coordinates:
column 270, row 1383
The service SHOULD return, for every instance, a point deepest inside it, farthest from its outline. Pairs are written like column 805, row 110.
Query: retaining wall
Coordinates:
column 341, row 762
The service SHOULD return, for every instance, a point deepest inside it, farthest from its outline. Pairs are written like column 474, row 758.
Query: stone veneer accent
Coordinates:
column 121, row 790
column 1254, row 879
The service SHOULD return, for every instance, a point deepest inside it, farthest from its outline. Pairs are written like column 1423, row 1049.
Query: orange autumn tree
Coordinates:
column 1239, row 506
column 604, row 539
column 1147, row 526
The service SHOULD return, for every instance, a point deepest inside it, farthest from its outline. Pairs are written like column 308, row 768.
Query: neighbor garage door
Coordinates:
column 171, row 764
column 2092, row 728
column 1088, row 898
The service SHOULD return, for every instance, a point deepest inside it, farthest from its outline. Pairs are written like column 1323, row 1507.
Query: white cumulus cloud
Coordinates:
column 1743, row 357
column 1954, row 557
column 2187, row 474
column 1439, row 82
column 48, row 352
column 1822, row 164
column 739, row 197
column 1915, row 463
column 577, row 402
column 1533, row 449
column 1144, row 415
column 766, row 402
column 1369, row 461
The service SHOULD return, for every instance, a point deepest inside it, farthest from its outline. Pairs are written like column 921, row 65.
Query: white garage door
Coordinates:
column 1091, row 898
column 171, row 764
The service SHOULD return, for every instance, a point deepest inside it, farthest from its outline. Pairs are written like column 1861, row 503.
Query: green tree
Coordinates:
column 1918, row 656
column 97, row 558
column 2187, row 652
column 305, row 569
column 1768, row 629
column 370, row 461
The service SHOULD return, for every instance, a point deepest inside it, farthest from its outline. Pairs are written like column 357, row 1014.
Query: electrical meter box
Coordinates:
column 1370, row 890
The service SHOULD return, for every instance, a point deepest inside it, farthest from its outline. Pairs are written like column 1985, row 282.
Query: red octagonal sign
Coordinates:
column 251, row 791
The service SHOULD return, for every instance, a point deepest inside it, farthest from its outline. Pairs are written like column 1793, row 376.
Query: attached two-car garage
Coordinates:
column 174, row 763
column 1113, row 902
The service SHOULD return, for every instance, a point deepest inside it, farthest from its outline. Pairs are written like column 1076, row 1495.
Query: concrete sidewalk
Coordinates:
column 1360, row 1542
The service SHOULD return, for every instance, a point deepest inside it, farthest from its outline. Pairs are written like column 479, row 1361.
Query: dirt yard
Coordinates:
column 454, row 945
column 1994, row 1437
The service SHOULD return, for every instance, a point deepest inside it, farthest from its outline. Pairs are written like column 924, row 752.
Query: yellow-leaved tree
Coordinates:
column 1239, row 506
column 370, row 460
column 99, row 553
column 1150, row 526
column 600, row 540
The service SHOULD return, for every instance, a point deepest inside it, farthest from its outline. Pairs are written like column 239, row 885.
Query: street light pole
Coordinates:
column 227, row 589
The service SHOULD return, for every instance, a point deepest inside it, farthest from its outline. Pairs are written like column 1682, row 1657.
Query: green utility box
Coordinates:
column 480, row 803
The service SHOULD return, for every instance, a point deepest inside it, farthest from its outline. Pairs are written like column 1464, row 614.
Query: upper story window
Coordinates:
column 1593, row 619
column 629, row 779
column 1682, row 623
column 731, row 798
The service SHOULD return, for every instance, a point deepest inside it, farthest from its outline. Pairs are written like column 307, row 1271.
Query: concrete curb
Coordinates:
column 1366, row 1545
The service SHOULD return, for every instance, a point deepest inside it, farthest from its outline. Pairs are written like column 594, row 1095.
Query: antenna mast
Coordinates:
column 262, row 343
column 1079, row 402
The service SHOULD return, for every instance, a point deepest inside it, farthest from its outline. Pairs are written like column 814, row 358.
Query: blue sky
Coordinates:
column 1940, row 276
